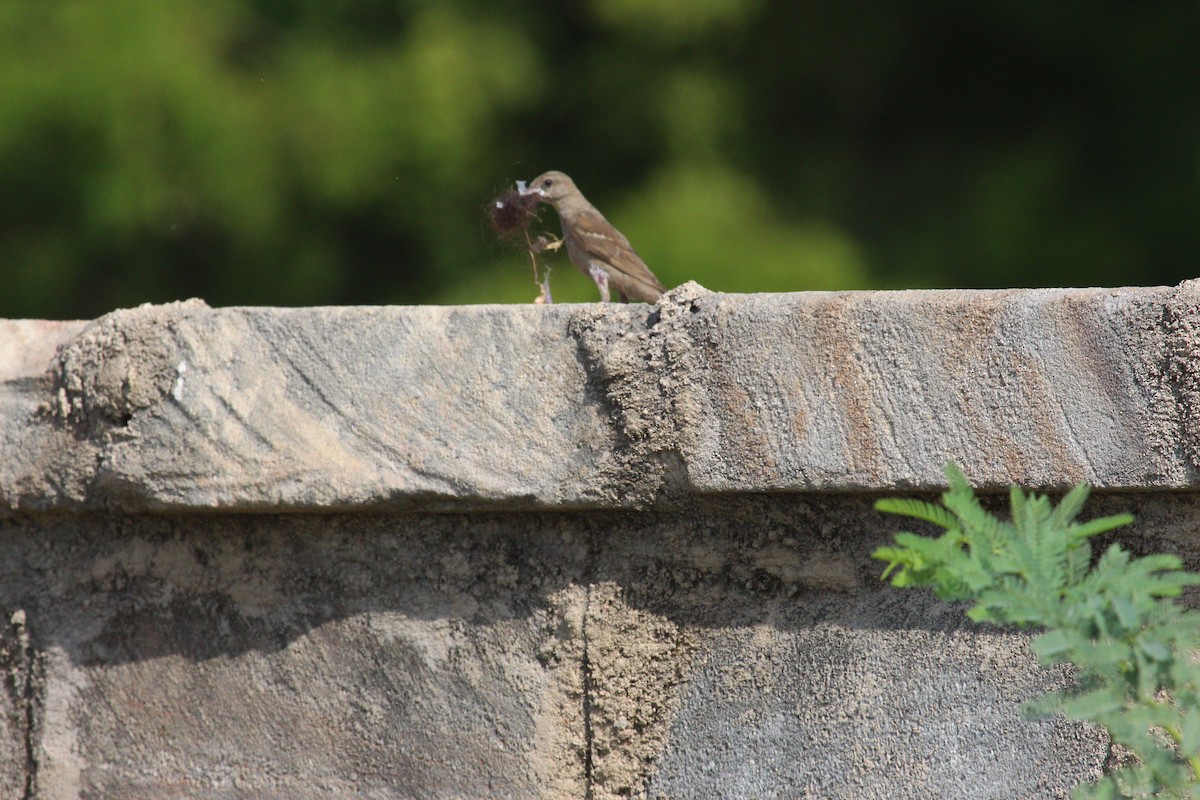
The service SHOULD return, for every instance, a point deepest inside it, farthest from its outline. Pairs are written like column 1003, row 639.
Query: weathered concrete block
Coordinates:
column 744, row 649
column 183, row 406
column 571, row 551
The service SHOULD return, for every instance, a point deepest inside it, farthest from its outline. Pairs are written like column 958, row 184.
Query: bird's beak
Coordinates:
column 522, row 189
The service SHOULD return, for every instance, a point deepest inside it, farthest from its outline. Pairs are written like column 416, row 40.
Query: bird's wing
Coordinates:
column 603, row 242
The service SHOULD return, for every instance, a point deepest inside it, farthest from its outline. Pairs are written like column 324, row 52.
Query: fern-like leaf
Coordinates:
column 1069, row 507
column 918, row 509
column 1100, row 525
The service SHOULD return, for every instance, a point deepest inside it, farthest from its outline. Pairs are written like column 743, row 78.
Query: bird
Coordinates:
column 599, row 250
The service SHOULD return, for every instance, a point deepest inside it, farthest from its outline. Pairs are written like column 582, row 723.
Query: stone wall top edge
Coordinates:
column 183, row 407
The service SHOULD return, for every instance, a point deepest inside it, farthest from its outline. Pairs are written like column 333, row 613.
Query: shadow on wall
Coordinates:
column 128, row 588
column 202, row 587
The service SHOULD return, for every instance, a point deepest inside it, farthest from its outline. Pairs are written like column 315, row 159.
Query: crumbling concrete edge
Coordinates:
column 640, row 377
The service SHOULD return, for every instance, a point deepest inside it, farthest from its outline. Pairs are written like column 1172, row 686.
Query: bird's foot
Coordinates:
column 543, row 243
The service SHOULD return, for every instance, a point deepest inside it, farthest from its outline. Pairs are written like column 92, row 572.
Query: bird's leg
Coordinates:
column 601, row 279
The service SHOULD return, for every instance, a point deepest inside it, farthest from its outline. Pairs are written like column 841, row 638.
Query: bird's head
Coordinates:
column 550, row 187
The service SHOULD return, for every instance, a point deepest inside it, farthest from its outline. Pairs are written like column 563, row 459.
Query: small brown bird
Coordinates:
column 599, row 250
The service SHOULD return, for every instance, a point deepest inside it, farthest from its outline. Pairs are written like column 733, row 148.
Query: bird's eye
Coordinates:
column 548, row 183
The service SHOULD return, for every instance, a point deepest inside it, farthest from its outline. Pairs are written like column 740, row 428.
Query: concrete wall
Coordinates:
column 568, row 551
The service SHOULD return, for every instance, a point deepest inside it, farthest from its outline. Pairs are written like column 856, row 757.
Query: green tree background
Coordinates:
column 290, row 152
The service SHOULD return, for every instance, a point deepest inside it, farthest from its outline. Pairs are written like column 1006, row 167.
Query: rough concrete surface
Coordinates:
column 577, row 551
column 523, row 407
column 745, row 649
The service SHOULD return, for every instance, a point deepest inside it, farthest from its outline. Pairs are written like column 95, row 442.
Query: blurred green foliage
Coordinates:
column 307, row 152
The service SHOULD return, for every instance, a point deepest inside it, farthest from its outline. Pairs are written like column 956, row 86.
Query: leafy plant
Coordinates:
column 1133, row 647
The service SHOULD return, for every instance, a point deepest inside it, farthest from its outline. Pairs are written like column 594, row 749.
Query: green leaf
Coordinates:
column 957, row 480
column 1155, row 651
column 1101, row 525
column 1126, row 614
column 1090, row 705
column 918, row 509
column 1053, row 643
column 1043, row 707
column 1069, row 507
column 1189, row 744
